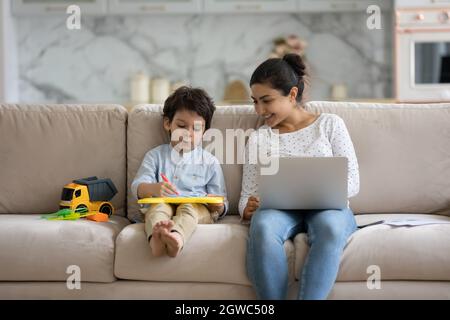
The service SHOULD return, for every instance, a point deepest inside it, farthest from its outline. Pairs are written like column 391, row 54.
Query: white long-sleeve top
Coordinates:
column 326, row 137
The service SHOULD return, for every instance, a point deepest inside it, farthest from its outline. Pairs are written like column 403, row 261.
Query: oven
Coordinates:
column 422, row 54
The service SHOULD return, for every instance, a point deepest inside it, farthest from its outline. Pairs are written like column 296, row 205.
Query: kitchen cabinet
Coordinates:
column 154, row 6
column 421, row 3
column 341, row 5
column 104, row 7
column 249, row 6
column 44, row 7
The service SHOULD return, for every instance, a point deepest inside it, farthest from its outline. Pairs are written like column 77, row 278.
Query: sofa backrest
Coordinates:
column 145, row 131
column 44, row 147
column 403, row 153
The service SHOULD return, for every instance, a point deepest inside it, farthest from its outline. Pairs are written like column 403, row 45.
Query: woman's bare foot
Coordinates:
column 157, row 246
column 173, row 241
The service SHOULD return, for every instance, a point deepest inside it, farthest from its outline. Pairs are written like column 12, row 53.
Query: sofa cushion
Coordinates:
column 401, row 253
column 44, row 147
column 34, row 249
column 145, row 131
column 403, row 153
column 215, row 253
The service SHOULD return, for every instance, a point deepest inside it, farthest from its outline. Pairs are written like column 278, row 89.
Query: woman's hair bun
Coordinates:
column 296, row 63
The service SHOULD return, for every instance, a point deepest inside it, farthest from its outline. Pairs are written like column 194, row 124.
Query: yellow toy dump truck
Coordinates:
column 90, row 193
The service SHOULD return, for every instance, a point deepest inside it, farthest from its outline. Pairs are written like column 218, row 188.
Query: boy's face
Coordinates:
column 186, row 129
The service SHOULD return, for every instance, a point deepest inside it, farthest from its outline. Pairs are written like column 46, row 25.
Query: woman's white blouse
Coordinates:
column 326, row 137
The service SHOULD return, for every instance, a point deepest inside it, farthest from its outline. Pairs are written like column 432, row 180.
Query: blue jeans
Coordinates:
column 328, row 231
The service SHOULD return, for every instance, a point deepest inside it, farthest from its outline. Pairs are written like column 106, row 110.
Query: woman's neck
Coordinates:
column 298, row 119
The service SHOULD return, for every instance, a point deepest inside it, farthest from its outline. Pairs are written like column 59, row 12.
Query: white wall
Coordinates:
column 95, row 64
column 9, row 91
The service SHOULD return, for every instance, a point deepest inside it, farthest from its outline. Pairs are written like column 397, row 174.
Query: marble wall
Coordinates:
column 95, row 64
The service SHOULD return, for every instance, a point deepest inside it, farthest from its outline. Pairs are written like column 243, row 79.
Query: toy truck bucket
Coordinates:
column 99, row 189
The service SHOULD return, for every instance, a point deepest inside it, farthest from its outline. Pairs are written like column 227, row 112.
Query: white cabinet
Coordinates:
column 244, row 6
column 41, row 7
column 421, row 3
column 37, row 7
column 342, row 5
column 154, row 6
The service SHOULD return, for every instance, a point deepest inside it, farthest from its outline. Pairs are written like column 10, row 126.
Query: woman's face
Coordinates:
column 272, row 105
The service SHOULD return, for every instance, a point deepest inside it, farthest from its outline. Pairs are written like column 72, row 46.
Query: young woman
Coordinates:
column 277, row 87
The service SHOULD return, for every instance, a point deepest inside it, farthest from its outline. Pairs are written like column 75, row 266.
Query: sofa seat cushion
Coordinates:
column 215, row 253
column 34, row 249
column 401, row 253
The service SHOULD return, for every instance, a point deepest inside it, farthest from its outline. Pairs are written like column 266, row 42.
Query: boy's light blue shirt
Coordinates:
column 195, row 174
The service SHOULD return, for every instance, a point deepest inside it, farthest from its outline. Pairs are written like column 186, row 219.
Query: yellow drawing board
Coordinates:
column 177, row 200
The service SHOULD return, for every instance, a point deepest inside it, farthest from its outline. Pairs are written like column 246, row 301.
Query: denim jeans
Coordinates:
column 267, row 268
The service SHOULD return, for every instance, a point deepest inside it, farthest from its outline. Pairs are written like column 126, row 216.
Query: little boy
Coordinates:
column 181, row 168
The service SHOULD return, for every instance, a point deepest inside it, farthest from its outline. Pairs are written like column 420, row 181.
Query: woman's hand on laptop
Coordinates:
column 252, row 206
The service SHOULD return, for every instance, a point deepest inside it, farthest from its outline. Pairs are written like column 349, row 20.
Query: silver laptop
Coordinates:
column 305, row 183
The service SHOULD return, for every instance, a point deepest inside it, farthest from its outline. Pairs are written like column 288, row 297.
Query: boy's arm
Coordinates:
column 147, row 190
column 145, row 177
column 216, row 185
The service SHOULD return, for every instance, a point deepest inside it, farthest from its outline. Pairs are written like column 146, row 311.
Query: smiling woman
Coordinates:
column 277, row 87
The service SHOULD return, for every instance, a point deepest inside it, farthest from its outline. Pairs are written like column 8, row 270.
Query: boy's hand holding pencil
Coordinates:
column 161, row 189
column 167, row 189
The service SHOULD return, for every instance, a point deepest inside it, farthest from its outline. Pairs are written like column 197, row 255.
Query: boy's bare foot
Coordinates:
column 173, row 241
column 168, row 224
column 158, row 247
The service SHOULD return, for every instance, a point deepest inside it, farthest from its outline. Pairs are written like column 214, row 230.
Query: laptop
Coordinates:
column 305, row 183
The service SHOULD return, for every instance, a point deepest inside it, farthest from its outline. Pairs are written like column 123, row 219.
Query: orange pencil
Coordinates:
column 167, row 180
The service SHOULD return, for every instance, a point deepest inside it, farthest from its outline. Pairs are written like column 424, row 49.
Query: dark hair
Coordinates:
column 192, row 99
column 282, row 74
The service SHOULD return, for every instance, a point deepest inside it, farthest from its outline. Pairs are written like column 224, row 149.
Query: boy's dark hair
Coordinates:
column 282, row 74
column 192, row 99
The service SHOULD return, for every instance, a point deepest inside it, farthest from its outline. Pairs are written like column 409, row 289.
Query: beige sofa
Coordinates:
column 404, row 158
